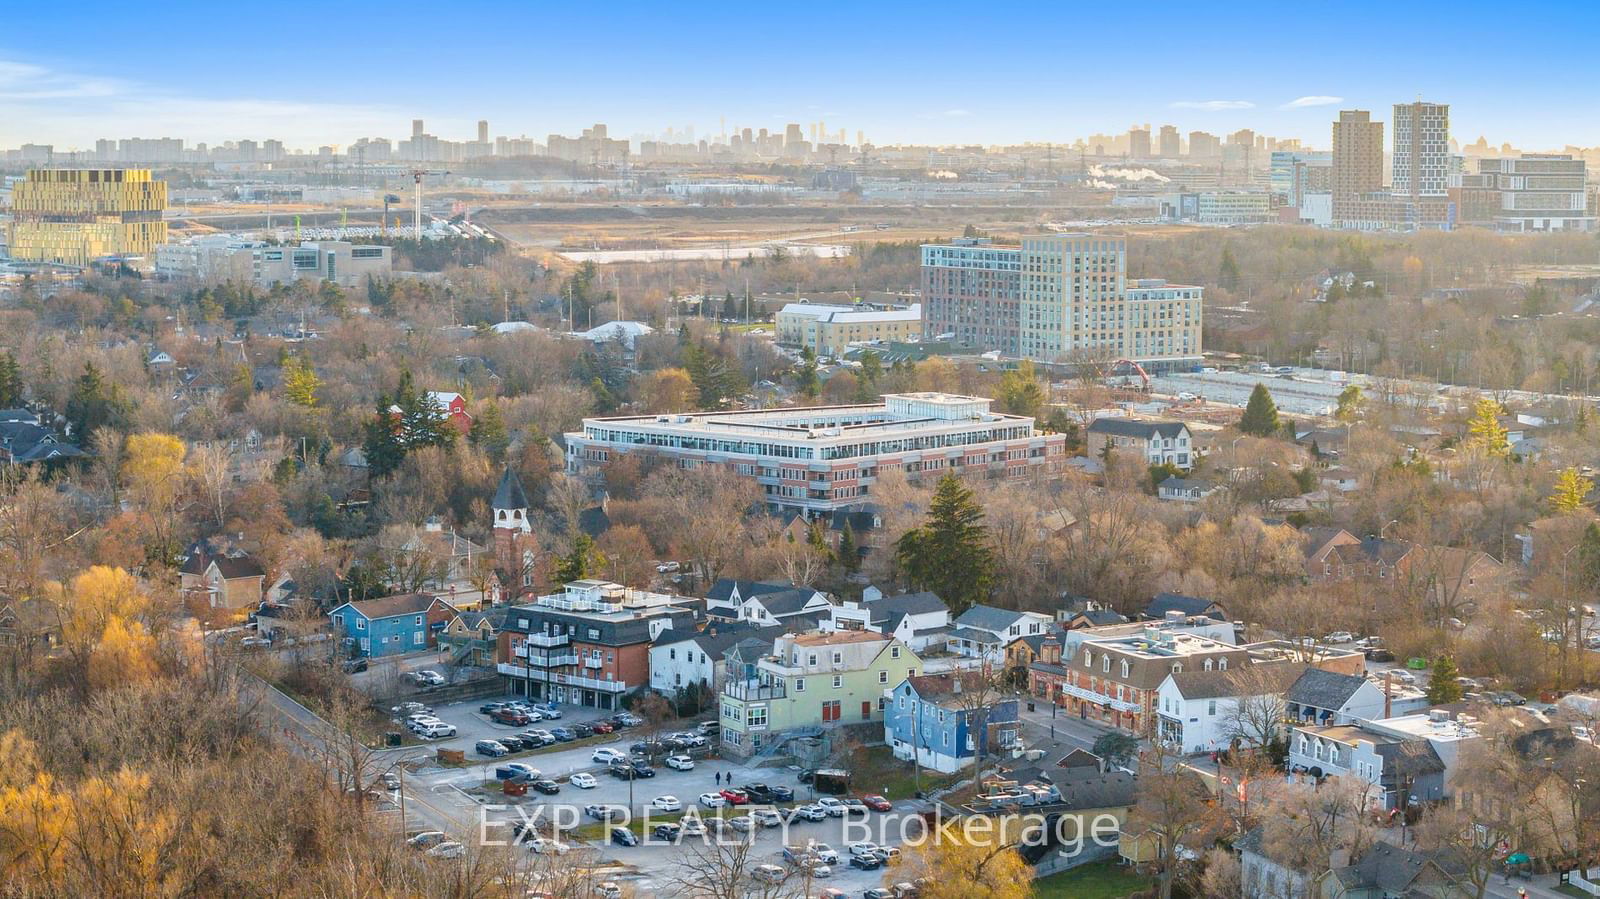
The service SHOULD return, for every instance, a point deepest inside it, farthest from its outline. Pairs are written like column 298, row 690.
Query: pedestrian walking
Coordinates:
column 719, row 778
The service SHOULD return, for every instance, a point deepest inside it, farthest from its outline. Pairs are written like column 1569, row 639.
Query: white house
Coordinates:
column 1186, row 490
column 764, row 603
column 680, row 658
column 984, row 632
column 919, row 620
column 1202, row 711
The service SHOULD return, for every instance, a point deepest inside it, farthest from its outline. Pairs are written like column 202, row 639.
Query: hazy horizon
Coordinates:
column 944, row 74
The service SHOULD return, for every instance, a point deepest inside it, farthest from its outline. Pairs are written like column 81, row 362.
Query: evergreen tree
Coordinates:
column 1228, row 271
column 1260, row 414
column 489, row 432
column 1589, row 558
column 950, row 553
column 805, row 375
column 1349, row 403
column 93, row 404
column 10, row 381
column 1443, row 686
column 730, row 307
column 583, row 560
column 849, row 552
column 381, row 442
column 604, row 400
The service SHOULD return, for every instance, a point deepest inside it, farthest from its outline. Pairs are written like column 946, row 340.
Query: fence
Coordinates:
column 1576, row 878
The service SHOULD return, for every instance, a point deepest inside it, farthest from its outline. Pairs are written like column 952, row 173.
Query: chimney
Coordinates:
column 957, row 688
column 1388, row 695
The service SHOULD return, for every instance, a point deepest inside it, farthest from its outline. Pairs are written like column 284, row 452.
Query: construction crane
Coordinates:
column 416, row 176
column 1138, row 369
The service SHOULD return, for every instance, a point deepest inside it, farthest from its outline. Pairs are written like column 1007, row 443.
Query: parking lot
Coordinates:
column 456, row 795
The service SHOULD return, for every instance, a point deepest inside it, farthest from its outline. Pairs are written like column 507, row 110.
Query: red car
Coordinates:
column 736, row 797
column 603, row 727
column 508, row 716
column 876, row 803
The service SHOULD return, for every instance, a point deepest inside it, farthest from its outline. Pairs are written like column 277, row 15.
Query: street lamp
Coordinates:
column 1386, row 526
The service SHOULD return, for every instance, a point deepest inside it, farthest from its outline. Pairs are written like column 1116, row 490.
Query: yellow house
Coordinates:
column 470, row 637
column 228, row 582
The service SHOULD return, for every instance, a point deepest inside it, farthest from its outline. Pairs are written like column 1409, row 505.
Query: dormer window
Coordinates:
column 1124, row 667
column 1222, row 664
column 1208, row 664
column 1088, row 658
column 1177, row 667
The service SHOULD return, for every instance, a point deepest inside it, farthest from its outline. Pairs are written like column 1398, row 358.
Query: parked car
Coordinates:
column 606, row 756
column 550, row 711
column 834, row 807
column 667, row 832
column 780, row 793
column 448, row 850
column 876, row 893
column 435, row 730
column 545, row 846
column 767, row 817
column 608, row 890
column 582, row 781
column 489, row 708
column 580, row 730
column 767, row 873
column 667, row 567
column 736, row 797
column 1379, row 654
column 622, row 836
column 1339, row 637
column 812, row 812
column 713, row 800
column 353, row 666
column 516, row 770
column 710, row 728
column 647, row 748
column 666, row 804
column 510, row 717
column 641, row 769
column 629, row 719
column 539, row 737
column 490, row 748
column 601, row 811
column 825, row 852
column 742, row 823
column 876, row 803
column 680, row 762
column 425, row 839
column 564, row 734
column 516, row 743
column 391, row 780
column 547, row 787
column 410, row 708
column 865, row 862
column 602, row 727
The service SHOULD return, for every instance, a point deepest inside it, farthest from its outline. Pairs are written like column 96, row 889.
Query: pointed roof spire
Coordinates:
column 510, row 494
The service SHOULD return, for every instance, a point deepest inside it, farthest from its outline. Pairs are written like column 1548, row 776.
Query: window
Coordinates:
column 672, row 653
column 1177, row 667
column 1208, row 664
column 900, row 702
column 810, row 659
column 894, row 652
column 1124, row 667
column 419, row 621
column 1105, row 664
column 418, row 638
column 799, row 685
column 838, row 681
column 1211, row 707
column 755, row 716
column 830, row 710
column 883, row 677
column 361, row 624
column 1016, row 630
column 883, row 703
column 1222, row 664
column 338, row 621
column 594, row 633
column 838, row 658
column 1088, row 657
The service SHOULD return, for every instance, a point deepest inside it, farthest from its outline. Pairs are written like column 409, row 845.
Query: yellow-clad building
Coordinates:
column 75, row 216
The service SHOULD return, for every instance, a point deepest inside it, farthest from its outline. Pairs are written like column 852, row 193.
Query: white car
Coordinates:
column 448, row 850
column 425, row 839
column 666, row 567
column 767, row 817
column 693, row 826
column 606, row 756
column 811, row 812
column 1399, row 676
column 832, row 806
column 544, row 846
column 824, row 853
column 608, row 890
column 742, row 823
column 582, row 781
column 435, row 730
column 1339, row 637
column 680, row 762
column 767, row 873
column 713, row 800
column 863, row 849
column 666, row 804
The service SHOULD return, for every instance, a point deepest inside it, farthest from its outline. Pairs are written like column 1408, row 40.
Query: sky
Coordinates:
column 933, row 72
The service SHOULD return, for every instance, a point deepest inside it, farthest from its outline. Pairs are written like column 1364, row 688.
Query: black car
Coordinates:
column 865, row 862
column 523, row 830
column 534, row 740
column 621, row 770
column 582, row 730
column 647, row 749
column 668, row 832
column 623, row 837
column 807, row 776
column 490, row 707
column 354, row 665
column 1379, row 655
column 514, row 743
column 547, row 787
column 780, row 794
column 618, row 721
column 758, row 793
column 641, row 769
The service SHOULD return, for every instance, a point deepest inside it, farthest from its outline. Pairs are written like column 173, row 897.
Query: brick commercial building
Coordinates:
column 588, row 645
column 823, row 458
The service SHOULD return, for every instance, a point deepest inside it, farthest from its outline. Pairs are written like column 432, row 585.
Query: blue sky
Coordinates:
column 934, row 72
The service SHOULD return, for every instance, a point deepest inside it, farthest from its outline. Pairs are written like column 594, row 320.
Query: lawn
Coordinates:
column 876, row 770
column 1099, row 880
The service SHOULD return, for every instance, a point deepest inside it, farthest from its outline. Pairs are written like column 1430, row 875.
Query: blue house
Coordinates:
column 944, row 719
column 407, row 622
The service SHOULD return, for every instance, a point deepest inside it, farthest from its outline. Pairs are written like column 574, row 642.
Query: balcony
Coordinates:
column 591, row 662
column 749, row 690
column 547, row 640
column 553, row 660
column 608, row 686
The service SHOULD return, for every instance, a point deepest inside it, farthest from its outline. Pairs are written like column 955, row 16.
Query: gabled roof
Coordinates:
column 1409, row 758
column 988, row 618
column 786, row 602
column 1087, row 788
column 724, row 588
column 717, row 639
column 940, row 688
column 510, row 495
column 1323, row 689
column 1173, row 482
column 1163, row 603
column 391, row 606
column 231, row 567
column 1100, row 617
column 1079, row 758
column 1144, row 430
column 1393, row 869
column 1374, row 549
column 496, row 618
column 1226, row 684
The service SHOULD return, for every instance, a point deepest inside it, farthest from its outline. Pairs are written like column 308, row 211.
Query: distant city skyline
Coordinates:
column 69, row 76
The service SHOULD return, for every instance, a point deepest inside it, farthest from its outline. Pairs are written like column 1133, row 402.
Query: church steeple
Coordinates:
column 510, row 504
